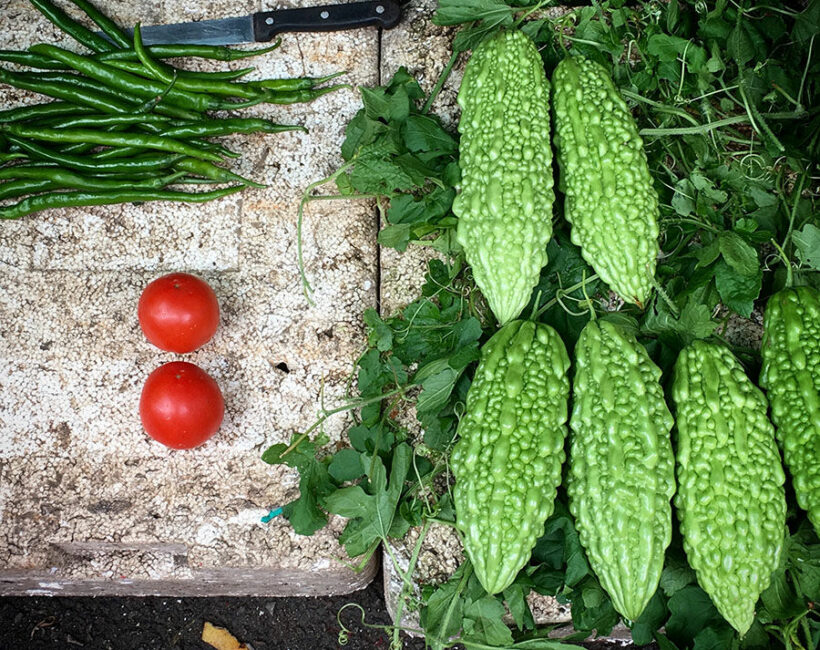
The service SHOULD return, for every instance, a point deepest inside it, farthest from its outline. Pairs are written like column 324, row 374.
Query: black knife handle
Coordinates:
column 326, row 18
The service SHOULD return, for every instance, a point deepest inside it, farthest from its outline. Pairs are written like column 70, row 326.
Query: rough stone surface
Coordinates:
column 88, row 503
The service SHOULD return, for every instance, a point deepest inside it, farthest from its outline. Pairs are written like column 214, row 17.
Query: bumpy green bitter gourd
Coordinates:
column 791, row 377
column 730, row 500
column 507, row 462
column 621, row 472
column 505, row 203
column 609, row 197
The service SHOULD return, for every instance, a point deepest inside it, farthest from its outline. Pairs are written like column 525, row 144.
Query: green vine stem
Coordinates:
column 563, row 292
column 406, row 579
column 442, row 78
column 300, row 213
column 340, row 409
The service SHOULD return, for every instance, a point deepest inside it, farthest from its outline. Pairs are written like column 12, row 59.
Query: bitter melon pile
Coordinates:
column 608, row 194
column 505, row 204
column 730, row 499
column 621, row 470
column 508, row 460
column 791, row 375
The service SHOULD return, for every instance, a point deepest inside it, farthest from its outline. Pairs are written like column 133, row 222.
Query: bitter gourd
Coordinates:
column 621, row 468
column 609, row 197
column 505, row 203
column 507, row 462
column 730, row 498
column 791, row 376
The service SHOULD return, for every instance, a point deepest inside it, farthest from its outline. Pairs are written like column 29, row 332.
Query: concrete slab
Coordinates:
column 89, row 504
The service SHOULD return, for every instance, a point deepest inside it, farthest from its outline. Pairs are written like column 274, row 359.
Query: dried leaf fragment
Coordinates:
column 220, row 638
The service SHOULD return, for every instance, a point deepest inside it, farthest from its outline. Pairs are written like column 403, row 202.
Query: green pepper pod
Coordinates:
column 78, row 199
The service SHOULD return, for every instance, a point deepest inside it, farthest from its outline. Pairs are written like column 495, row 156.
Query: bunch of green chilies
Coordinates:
column 125, row 124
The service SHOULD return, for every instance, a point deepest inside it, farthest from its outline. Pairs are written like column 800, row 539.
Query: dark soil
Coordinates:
column 152, row 623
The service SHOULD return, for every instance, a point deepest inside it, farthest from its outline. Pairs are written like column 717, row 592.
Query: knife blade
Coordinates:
column 262, row 26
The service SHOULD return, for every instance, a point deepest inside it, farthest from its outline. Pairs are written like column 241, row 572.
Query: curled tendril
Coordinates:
column 751, row 161
column 344, row 633
column 701, row 7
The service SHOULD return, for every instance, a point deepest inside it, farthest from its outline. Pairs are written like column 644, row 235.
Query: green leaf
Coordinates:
column 676, row 575
column 707, row 188
column 379, row 335
column 516, row 598
column 738, row 254
column 303, row 513
column 395, row 236
column 741, row 46
column 376, row 103
column 360, row 131
column 442, row 614
column 737, row 292
column 716, row 638
column 455, row 12
column 691, row 611
column 436, row 389
column 695, row 322
column 683, row 200
column 780, row 598
column 707, row 254
column 560, row 545
column 346, row 465
column 807, row 242
column 424, row 133
column 372, row 511
column 650, row 620
column 372, row 175
column 807, row 23
column 483, row 623
column 665, row 46
column 593, row 610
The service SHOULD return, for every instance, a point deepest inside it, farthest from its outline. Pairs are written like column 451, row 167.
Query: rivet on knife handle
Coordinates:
column 326, row 18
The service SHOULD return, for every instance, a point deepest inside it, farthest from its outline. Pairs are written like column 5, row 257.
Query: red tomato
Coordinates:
column 181, row 405
column 178, row 312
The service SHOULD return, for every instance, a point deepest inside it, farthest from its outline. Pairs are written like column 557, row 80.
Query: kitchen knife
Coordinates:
column 261, row 27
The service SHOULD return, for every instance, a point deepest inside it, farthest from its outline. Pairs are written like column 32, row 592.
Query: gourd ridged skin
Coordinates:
column 507, row 462
column 504, row 208
column 791, row 377
column 621, row 469
column 609, row 197
column 730, row 500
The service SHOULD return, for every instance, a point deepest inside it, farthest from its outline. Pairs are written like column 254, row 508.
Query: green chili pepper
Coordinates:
column 62, row 177
column 284, row 97
column 105, row 102
column 125, row 81
column 209, row 128
column 38, row 111
column 166, row 73
column 202, row 168
column 297, row 83
column 108, row 26
column 134, row 67
column 146, row 162
column 76, row 199
column 143, row 141
column 74, row 29
column 218, row 52
column 8, row 157
column 152, row 120
column 13, row 189
column 31, row 60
